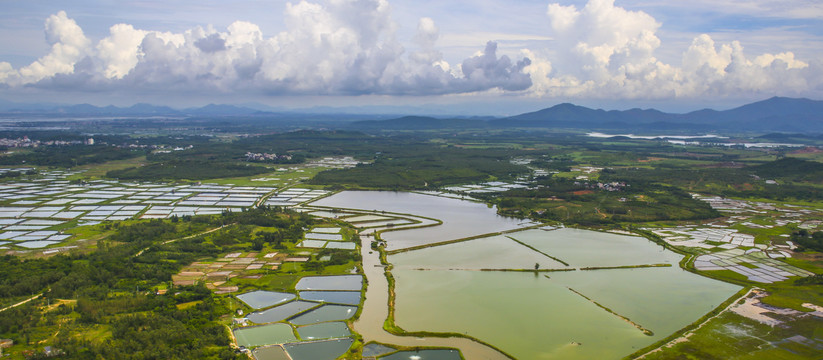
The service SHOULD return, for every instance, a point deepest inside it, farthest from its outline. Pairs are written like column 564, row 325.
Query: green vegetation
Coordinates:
column 179, row 170
column 116, row 311
column 811, row 241
column 69, row 156
column 585, row 203
column 424, row 167
column 102, row 300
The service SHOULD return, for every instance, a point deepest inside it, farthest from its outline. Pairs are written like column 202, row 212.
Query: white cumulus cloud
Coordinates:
column 335, row 47
column 351, row 47
column 68, row 45
column 603, row 50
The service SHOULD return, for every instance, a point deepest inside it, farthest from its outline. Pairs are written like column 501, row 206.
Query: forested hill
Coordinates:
column 772, row 115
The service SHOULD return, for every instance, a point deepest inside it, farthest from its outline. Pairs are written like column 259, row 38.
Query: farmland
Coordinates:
column 600, row 224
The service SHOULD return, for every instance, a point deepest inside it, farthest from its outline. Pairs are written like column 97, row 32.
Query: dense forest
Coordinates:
column 188, row 170
column 422, row 167
column 69, row 155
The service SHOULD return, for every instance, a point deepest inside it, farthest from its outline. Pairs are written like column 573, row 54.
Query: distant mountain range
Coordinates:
column 777, row 114
column 134, row 110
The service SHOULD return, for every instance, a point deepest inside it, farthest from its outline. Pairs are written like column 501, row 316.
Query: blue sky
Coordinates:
column 481, row 56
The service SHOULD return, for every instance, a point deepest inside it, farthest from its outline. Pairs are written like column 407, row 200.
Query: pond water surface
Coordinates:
column 280, row 313
column 325, row 313
column 262, row 299
column 460, row 218
column 336, row 297
column 338, row 282
column 318, row 350
column 529, row 315
column 264, row 335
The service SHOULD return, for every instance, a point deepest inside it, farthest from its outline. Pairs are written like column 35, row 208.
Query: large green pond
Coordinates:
column 460, row 218
column 532, row 316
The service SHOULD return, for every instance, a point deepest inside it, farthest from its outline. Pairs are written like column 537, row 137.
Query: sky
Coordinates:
column 473, row 57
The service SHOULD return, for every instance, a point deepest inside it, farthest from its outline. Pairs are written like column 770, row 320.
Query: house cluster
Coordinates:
column 612, row 186
column 250, row 156
column 26, row 142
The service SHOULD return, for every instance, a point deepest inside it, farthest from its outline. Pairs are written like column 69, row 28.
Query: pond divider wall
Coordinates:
column 533, row 248
column 645, row 331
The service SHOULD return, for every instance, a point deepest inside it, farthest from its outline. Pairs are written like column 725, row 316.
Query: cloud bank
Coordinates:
column 349, row 47
column 341, row 47
column 605, row 51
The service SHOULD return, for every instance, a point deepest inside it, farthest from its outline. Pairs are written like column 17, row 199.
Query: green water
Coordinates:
column 262, row 299
column 533, row 317
column 375, row 349
column 425, row 355
column 337, row 282
column 264, row 335
column 325, row 313
column 330, row 330
column 280, row 313
column 497, row 252
column 271, row 353
column 586, row 248
column 320, row 350
column 460, row 218
column 335, row 297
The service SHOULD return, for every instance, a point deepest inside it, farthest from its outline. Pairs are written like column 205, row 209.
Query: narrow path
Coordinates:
column 21, row 303
column 183, row 238
column 376, row 310
column 535, row 249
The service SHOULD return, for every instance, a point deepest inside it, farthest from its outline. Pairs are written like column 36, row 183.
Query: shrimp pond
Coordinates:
column 597, row 295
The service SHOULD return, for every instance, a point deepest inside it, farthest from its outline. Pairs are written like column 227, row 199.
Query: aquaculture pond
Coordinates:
column 280, row 313
column 460, row 218
column 574, row 246
column 340, row 245
column 424, row 355
column 547, row 315
column 270, row 353
column 263, row 299
column 375, row 349
column 329, row 330
column 495, row 252
column 325, row 313
column 264, row 335
column 322, row 236
column 319, row 350
column 335, row 297
column 337, row 282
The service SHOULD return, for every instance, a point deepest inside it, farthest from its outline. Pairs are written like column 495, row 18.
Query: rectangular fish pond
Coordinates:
column 325, row 313
column 334, row 297
column 319, row 350
column 270, row 353
column 436, row 354
column 553, row 315
column 264, row 335
column 264, row 299
column 336, row 282
column 329, row 330
column 280, row 313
